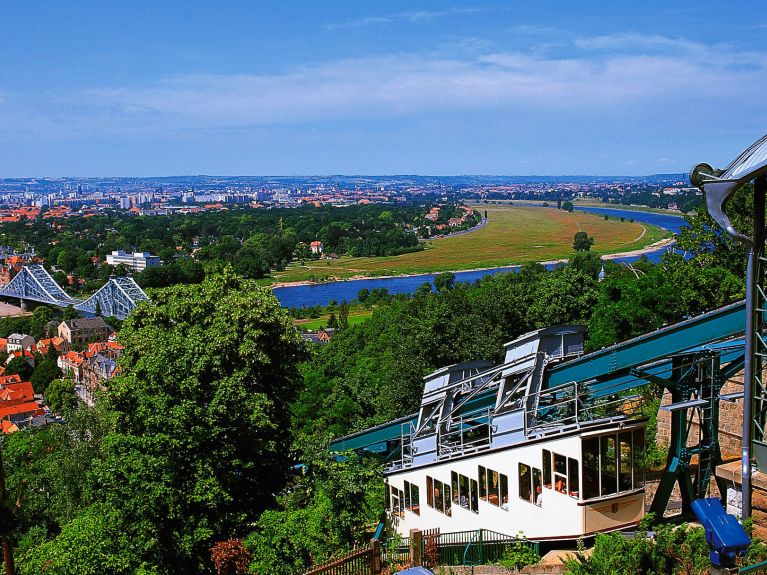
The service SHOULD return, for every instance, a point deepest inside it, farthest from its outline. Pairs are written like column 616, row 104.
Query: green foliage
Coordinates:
column 444, row 281
column 194, row 440
column 676, row 550
column 519, row 554
column 590, row 263
column 321, row 513
column 582, row 242
column 21, row 366
column 9, row 325
column 45, row 372
column 60, row 395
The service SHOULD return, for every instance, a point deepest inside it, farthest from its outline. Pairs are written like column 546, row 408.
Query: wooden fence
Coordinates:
column 360, row 561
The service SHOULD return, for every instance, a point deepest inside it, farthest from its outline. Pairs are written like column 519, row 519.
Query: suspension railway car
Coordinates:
column 492, row 450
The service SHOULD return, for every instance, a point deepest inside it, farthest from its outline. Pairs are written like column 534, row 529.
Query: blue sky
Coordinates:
column 535, row 87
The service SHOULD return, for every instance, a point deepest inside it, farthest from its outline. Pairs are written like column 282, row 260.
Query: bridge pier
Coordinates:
column 23, row 304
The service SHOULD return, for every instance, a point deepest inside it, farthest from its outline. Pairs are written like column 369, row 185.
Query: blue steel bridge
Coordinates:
column 118, row 297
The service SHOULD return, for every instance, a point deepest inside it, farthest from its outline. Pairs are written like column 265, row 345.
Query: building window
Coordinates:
column 397, row 501
column 468, row 492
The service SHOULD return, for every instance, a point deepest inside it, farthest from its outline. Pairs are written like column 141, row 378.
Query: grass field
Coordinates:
column 514, row 234
column 592, row 203
column 315, row 324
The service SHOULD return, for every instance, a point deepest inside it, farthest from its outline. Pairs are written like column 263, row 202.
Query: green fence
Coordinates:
column 458, row 548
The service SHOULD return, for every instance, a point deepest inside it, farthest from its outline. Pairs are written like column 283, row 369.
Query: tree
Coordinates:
column 70, row 313
column 60, row 395
column 343, row 315
column 589, row 263
column 21, row 366
column 444, row 281
column 582, row 242
column 567, row 206
column 199, row 418
column 40, row 318
column 45, row 372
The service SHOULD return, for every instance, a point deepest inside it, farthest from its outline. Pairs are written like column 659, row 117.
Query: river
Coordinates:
column 322, row 294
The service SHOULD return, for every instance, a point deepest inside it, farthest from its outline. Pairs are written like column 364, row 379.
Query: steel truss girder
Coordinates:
column 34, row 283
column 118, row 297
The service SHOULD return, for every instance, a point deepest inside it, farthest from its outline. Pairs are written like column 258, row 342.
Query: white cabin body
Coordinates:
column 491, row 450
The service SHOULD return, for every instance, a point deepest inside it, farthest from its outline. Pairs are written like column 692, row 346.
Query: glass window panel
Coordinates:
column 591, row 468
column 537, row 487
column 415, row 499
column 448, row 502
column 547, row 468
column 504, row 491
column 572, row 477
column 465, row 495
column 560, row 464
column 560, row 483
column 608, row 465
column 624, row 461
column 454, row 481
column 482, row 483
column 439, row 503
column 525, row 491
column 429, row 492
column 401, row 503
column 639, row 455
column 494, row 487
column 407, row 495
column 474, row 496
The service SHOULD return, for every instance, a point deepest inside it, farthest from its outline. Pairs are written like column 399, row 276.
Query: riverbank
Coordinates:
column 654, row 247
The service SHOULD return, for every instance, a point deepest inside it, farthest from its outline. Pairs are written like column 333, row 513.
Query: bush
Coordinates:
column 519, row 554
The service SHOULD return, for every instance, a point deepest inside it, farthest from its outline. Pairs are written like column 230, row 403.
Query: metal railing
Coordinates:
column 572, row 405
column 360, row 561
column 467, row 433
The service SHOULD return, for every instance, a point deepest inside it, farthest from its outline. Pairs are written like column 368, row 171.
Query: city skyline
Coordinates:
column 444, row 88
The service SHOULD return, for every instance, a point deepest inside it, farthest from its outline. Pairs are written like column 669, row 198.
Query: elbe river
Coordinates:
column 322, row 294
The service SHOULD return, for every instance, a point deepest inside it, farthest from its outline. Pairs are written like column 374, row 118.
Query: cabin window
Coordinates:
column 572, row 477
column 397, row 501
column 454, row 481
column 525, row 479
column 537, row 487
column 547, row 468
column 504, row 491
column 439, row 494
column 639, row 463
column 474, row 496
column 483, row 483
column 407, row 495
column 625, row 482
column 591, row 468
column 560, row 473
column 415, row 499
column 607, row 464
column 612, row 464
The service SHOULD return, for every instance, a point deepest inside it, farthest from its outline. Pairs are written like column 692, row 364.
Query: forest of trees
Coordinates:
column 196, row 443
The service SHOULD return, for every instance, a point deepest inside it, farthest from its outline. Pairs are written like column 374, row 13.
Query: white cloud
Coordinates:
column 627, row 73
column 412, row 17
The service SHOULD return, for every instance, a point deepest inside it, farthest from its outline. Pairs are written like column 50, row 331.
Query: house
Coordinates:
column 18, row 407
column 26, row 354
column 82, row 331
column 324, row 335
column 20, row 342
column 59, row 344
column 316, row 247
column 71, row 363
column 96, row 369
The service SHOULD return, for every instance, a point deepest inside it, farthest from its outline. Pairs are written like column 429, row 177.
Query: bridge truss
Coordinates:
column 118, row 297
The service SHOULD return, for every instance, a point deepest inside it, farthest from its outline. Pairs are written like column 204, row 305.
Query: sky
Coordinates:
column 338, row 87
